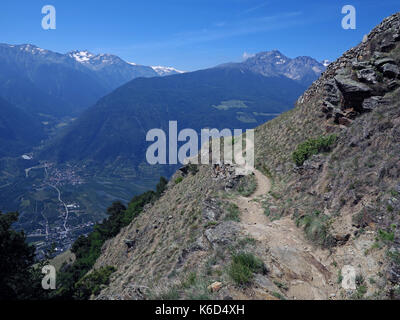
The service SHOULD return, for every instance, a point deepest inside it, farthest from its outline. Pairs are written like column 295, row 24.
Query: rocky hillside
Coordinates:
column 325, row 199
column 349, row 196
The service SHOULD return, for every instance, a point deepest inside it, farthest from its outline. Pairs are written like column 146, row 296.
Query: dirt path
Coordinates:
column 284, row 248
column 254, row 221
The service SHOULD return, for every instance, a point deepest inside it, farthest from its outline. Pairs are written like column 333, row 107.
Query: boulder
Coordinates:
column 360, row 65
column 333, row 94
column 354, row 92
column 350, row 86
column 371, row 103
column 392, row 85
column 209, row 214
column 394, row 273
column 341, row 239
column 337, row 114
column 344, row 121
column 350, row 113
column 199, row 245
column 326, row 109
column 379, row 55
column 390, row 70
column 129, row 243
column 222, row 234
column 387, row 45
column 367, row 75
column 215, row 287
column 184, row 170
column 380, row 62
column 211, row 209
column 314, row 163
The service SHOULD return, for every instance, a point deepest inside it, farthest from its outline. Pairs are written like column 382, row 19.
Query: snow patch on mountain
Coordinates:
column 166, row 71
column 30, row 48
column 81, row 56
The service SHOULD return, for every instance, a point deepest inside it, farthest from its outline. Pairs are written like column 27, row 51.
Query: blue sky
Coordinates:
column 192, row 34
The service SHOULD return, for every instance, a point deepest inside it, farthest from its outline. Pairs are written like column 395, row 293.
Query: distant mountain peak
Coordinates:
column 279, row 57
column 166, row 71
column 30, row 48
column 275, row 63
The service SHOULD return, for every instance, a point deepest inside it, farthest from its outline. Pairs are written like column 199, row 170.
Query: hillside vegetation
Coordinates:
column 334, row 165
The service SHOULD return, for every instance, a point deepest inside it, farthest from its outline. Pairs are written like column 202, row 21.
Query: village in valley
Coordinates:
column 59, row 223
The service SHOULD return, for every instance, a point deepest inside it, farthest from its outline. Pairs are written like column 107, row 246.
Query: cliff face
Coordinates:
column 304, row 222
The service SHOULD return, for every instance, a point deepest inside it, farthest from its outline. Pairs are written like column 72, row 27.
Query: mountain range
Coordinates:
column 45, row 82
column 235, row 95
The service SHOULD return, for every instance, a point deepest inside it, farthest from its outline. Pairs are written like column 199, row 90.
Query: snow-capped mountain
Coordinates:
column 44, row 82
column 166, row 71
column 99, row 60
column 102, row 60
column 47, row 82
column 110, row 68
